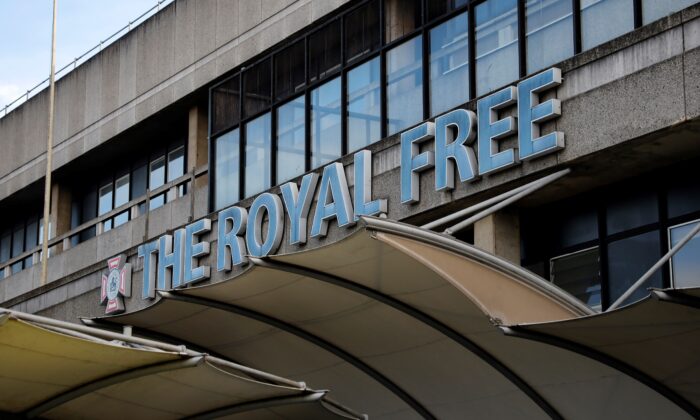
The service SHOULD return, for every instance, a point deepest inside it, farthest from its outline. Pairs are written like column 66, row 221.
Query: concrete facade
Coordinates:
column 621, row 100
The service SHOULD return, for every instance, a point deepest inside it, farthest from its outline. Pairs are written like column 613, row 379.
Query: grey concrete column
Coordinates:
column 197, row 148
column 60, row 212
column 499, row 234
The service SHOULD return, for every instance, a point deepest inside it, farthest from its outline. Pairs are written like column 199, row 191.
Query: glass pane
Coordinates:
column 89, row 212
column 449, row 65
column 121, row 191
column 437, row 8
column 5, row 246
column 496, row 44
column 257, row 88
column 31, row 236
column 176, row 163
column 579, row 274
column 105, row 199
column 685, row 265
column 157, row 177
column 289, row 70
column 404, row 85
column 225, row 105
column 364, row 106
column 631, row 210
column 628, row 260
column 121, row 218
column 603, row 20
column 362, row 31
column 157, row 201
column 656, row 9
column 139, row 181
column 258, row 154
column 325, row 123
column 579, row 225
column 291, row 142
column 226, row 169
column 549, row 32
column 18, row 240
column 684, row 197
column 324, row 51
column 401, row 18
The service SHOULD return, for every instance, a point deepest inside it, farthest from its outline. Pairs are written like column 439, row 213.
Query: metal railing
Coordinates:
column 63, row 242
column 84, row 57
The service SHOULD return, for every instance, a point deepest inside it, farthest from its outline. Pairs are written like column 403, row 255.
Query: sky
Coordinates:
column 25, row 36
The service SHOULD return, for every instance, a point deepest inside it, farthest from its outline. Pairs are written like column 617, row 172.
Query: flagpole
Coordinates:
column 49, row 155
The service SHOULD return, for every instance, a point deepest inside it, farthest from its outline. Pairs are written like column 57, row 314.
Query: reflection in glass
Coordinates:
column 176, row 163
column 603, row 20
column 549, row 32
column 437, row 8
column 121, row 197
column 685, row 264
column 449, row 65
column 325, row 123
column 628, row 260
column 226, row 169
column 404, row 85
column 104, row 204
column 496, row 44
column 258, row 155
column 579, row 274
column 157, row 179
column 291, row 147
column 364, row 105
column 656, row 9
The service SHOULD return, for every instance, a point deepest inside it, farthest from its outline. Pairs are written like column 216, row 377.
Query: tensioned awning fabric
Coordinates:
column 59, row 372
column 401, row 323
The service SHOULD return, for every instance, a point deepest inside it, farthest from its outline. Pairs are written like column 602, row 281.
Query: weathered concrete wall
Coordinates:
column 182, row 48
column 634, row 100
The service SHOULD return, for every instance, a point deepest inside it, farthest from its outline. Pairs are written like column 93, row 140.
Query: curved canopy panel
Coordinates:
column 400, row 322
column 59, row 372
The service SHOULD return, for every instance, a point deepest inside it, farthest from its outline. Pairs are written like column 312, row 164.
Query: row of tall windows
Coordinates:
column 597, row 245
column 22, row 236
column 383, row 66
column 117, row 189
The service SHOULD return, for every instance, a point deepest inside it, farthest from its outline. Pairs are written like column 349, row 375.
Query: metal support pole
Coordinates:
column 49, row 154
column 655, row 267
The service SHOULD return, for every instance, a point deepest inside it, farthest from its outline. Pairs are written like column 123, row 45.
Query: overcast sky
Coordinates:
column 25, row 36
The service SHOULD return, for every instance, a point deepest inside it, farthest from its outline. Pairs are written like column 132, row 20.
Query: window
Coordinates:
column 139, row 182
column 157, row 179
column 176, row 167
column 449, row 65
column 656, row 9
column 364, row 106
column 5, row 246
column 31, row 238
column 257, row 88
column 325, row 123
column 549, row 32
column 685, row 264
column 121, row 197
column 579, row 274
column 628, row 260
column 630, row 210
column 289, row 71
column 496, row 44
column 225, row 104
column 258, row 153
column 227, row 169
column 437, row 8
column 291, row 141
column 362, row 31
column 324, row 51
column 104, row 203
column 401, row 18
column 603, row 20
column 404, row 85
column 17, row 246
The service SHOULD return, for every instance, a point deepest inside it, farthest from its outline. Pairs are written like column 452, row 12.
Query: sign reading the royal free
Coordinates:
column 172, row 260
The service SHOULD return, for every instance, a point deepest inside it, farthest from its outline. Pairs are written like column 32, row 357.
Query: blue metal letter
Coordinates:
column 333, row 200
column 193, row 251
column 491, row 130
column 363, row 187
column 531, row 114
column 170, row 260
column 230, row 245
column 298, row 208
column 451, row 148
column 412, row 163
column 150, row 264
column 253, row 235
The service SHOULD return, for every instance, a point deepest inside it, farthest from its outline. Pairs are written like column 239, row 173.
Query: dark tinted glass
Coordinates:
column 324, row 51
column 5, row 246
column 631, row 210
column 684, row 198
column 437, row 8
column 628, row 260
column 289, row 70
column 139, row 180
column 579, row 274
column 17, row 246
column 89, row 212
column 401, row 17
column 362, row 31
column 225, row 104
column 257, row 89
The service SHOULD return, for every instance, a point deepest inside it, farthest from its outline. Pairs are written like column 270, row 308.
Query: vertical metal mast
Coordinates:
column 49, row 155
